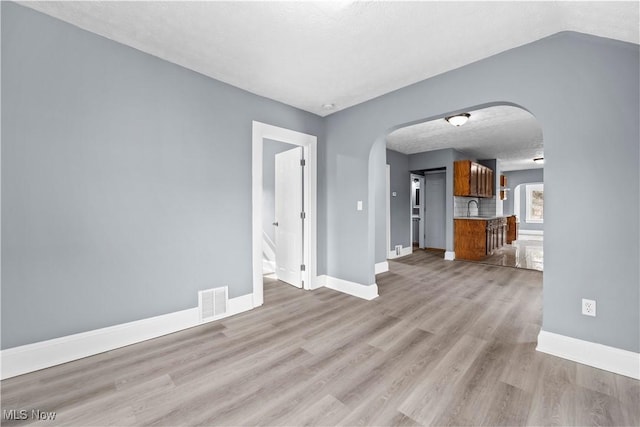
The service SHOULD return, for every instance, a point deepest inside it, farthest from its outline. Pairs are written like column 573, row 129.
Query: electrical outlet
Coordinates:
column 588, row 307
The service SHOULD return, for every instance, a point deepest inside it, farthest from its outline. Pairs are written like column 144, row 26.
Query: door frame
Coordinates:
column 261, row 131
column 421, row 228
column 388, row 209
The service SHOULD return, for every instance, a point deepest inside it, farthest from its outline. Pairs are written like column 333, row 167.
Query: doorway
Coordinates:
column 417, row 211
column 308, row 147
column 434, row 210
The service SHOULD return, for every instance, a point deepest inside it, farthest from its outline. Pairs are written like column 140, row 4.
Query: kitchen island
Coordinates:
column 477, row 237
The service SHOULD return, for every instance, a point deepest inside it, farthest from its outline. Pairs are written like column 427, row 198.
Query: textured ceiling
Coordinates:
column 307, row 54
column 507, row 133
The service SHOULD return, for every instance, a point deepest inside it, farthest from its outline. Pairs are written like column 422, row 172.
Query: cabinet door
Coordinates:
column 473, row 180
column 490, row 183
column 464, row 180
column 480, row 172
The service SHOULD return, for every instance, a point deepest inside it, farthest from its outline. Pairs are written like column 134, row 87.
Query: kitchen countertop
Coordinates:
column 483, row 218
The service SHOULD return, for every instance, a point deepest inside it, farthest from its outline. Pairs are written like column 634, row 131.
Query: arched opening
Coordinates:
column 503, row 136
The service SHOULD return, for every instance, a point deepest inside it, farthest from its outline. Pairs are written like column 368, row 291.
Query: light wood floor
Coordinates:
column 446, row 343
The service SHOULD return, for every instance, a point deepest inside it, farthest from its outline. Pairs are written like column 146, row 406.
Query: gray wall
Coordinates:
column 126, row 183
column 378, row 189
column 515, row 178
column 400, row 211
column 269, row 150
column 594, row 79
column 124, row 177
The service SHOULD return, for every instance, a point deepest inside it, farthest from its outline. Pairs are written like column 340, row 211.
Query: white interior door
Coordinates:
column 288, row 221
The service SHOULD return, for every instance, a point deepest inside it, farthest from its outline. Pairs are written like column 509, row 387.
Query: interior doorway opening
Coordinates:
column 262, row 134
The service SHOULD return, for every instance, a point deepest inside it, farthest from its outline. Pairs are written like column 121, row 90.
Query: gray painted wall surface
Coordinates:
column 400, row 213
column 116, row 174
column 594, row 78
column 269, row 150
column 126, row 183
column 378, row 155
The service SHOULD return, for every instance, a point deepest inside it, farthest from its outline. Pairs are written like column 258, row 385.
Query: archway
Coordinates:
column 443, row 159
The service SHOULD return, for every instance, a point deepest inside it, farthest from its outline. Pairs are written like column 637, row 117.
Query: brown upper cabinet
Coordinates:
column 503, row 185
column 472, row 179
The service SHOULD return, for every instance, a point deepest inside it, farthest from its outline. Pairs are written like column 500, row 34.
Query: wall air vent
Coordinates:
column 212, row 303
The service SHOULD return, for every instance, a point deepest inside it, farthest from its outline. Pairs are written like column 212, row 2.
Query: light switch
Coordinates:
column 359, row 205
column 394, row 194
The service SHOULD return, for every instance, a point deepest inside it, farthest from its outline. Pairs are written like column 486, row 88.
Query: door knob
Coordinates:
column 275, row 223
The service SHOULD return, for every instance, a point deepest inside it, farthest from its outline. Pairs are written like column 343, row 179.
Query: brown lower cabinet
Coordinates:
column 512, row 229
column 478, row 238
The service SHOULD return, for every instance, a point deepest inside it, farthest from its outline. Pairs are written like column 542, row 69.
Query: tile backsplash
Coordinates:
column 487, row 207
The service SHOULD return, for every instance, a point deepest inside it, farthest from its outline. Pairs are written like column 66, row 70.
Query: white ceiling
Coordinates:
column 307, row 54
column 507, row 133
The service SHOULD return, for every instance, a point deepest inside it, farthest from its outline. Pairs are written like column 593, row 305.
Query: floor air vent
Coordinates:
column 212, row 303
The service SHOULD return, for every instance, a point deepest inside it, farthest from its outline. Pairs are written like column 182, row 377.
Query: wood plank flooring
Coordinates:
column 446, row 343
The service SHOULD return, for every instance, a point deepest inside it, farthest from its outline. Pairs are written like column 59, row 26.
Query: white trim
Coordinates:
column 516, row 200
column 599, row 356
column 537, row 235
column 449, row 255
column 318, row 283
column 403, row 252
column 381, row 267
column 260, row 131
column 44, row 354
column 531, row 232
column 268, row 267
column 420, row 210
column 359, row 290
column 388, row 221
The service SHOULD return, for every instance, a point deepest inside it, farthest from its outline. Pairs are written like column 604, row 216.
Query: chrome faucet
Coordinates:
column 469, row 206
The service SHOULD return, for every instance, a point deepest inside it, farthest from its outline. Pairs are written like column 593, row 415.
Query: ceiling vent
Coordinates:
column 212, row 303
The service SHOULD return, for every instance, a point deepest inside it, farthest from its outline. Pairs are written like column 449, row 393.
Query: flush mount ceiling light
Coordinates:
column 458, row 119
column 539, row 160
column 328, row 106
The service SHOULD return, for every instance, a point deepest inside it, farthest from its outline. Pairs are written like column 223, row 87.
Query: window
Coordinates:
column 535, row 203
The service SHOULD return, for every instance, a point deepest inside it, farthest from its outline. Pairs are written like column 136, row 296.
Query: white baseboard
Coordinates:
column 367, row 292
column 449, row 255
column 268, row 267
column 381, row 267
column 318, row 283
column 599, row 356
column 530, row 234
column 403, row 252
column 44, row 354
